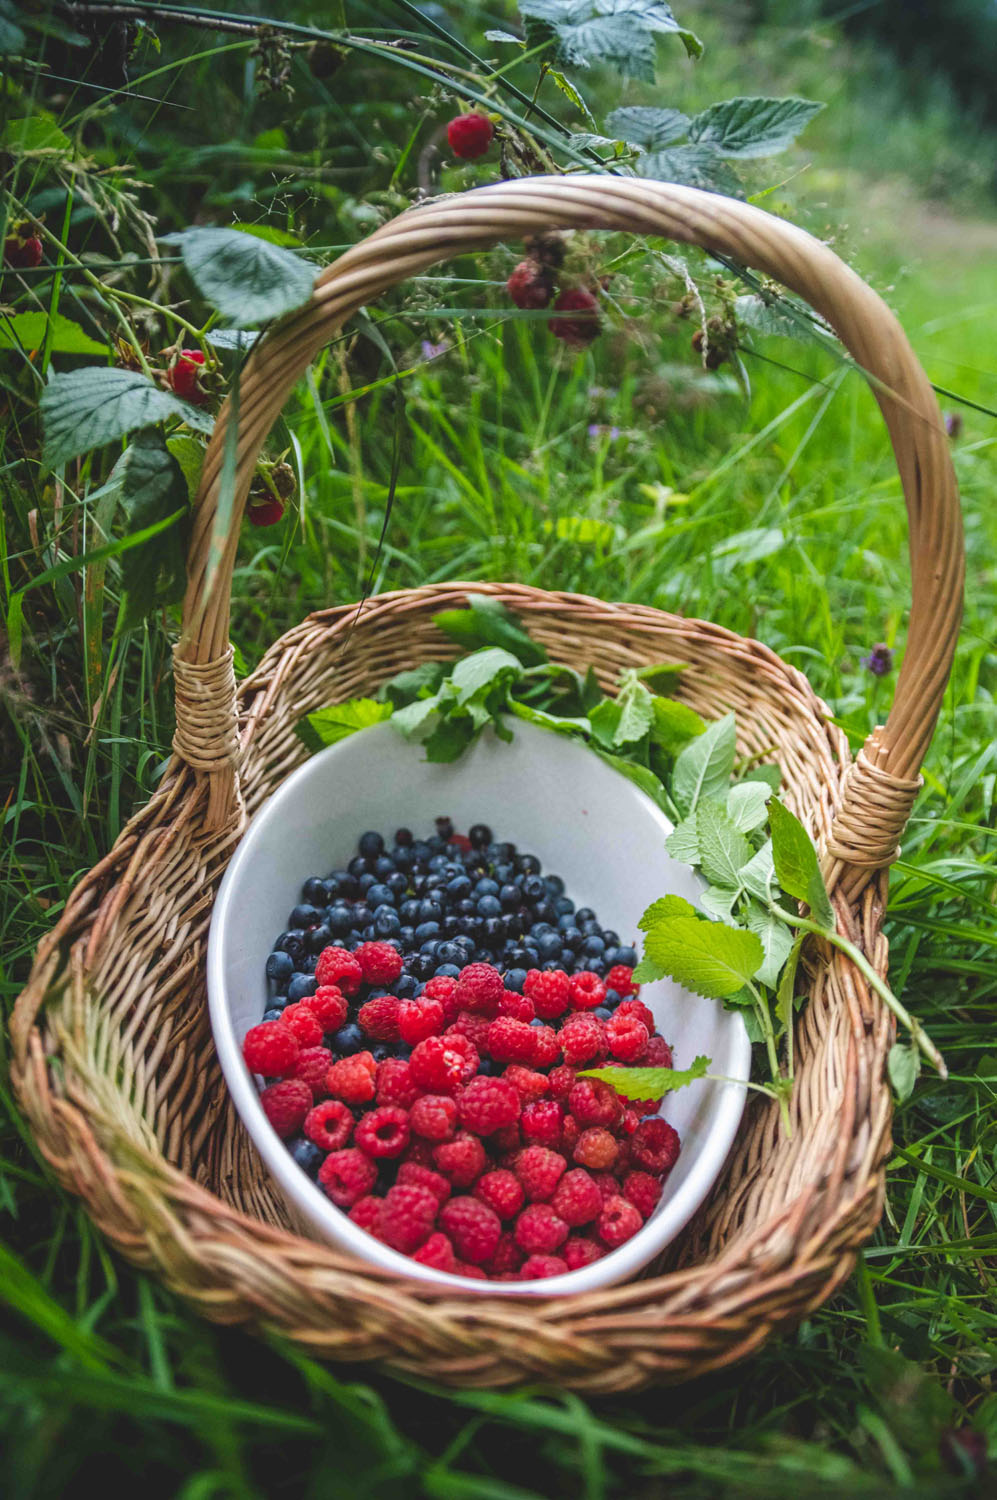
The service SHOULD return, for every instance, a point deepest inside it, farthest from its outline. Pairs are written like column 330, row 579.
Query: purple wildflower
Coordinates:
column 433, row 351
column 879, row 661
column 953, row 424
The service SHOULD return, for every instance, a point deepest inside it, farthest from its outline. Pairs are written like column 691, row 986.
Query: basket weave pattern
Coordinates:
column 113, row 1058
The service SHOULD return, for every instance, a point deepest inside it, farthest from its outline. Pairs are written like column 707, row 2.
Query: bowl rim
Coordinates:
column 306, row 1198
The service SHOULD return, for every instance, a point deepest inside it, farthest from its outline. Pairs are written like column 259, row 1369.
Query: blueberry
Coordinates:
column 566, row 923
column 357, row 866
column 510, row 897
column 433, row 885
column 520, row 958
column 610, row 955
column 544, row 911
column 603, row 1012
column 365, row 881
column 584, row 914
column 447, row 971
column 292, row 943
column 403, row 860
column 341, row 883
column 610, row 938
column 420, row 851
column 381, row 1050
column 458, row 887
column 549, row 945
column 406, row 987
column 369, row 934
column 301, row 985
column 480, row 834
column 438, row 863
column 593, row 947
column 318, row 938
column 486, row 887
column 465, row 907
column 430, row 909
column 371, row 845
column 304, row 916
column 406, row 937
column 425, row 931
column 489, row 906
column 381, row 895
column 514, row 979
column 409, row 911
column 273, row 1013
column 403, row 837
column 354, row 938
column 533, row 888
column 449, row 953
column 493, row 930
column 504, row 873
column 572, row 938
column 339, row 920
column 527, row 864
column 564, row 906
column 398, row 883
column 280, row 967
column 384, row 866
column 554, row 884
column 487, row 1067
column 612, row 1001
column 423, row 965
column 313, row 891
column 348, row 1038
column 627, row 956
column 444, row 828
column 567, row 961
column 362, row 914
column 430, row 948
column 450, row 925
column 590, row 928
column 505, row 852
column 308, row 1156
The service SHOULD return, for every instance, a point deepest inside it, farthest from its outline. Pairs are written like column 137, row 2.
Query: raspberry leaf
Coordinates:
column 747, row 127
column 704, row 767
column 84, row 409
column 648, row 1083
column 694, row 165
column 29, row 330
column 245, row 277
column 651, row 129
column 708, row 958
column 796, row 865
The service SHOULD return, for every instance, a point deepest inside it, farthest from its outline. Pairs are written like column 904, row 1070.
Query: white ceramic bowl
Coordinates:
column 585, row 822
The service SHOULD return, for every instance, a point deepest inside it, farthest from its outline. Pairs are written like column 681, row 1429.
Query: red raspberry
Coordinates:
column 438, row 1253
column 596, row 1148
column 655, row 1145
column 546, row 1046
column 352, row 1078
column 183, row 377
column 347, row 1175
column 312, row 1066
column 619, row 1221
column 569, row 1135
column 395, row 1084
column 469, row 137
column 329, row 1124
column 637, row 1008
column 539, row 1230
column 442, row 987
column 408, row 1214
column 418, row 1019
column 621, row 979
column 286, row 1105
column 266, row 512
column 593, row 1102
column 508, row 1139
column 442, row 1063
column 562, row 1081
column 542, row 1122
column 473, row 1273
column 460, row 841
column 643, row 1191
column 379, row 963
column 582, row 1038
column 474, row 1027
column 366, row 1212
column 587, row 990
column 539, row 1170
column 473, row 1227
column 530, row 285
column 516, row 1006
column 507, row 1258
column 487, row 1104
column 337, row 966
column 550, row 991
column 329, row 1004
column 502, row 1191
column 657, row 1053
column 412, row 1174
column 24, row 252
column 629, row 1121
column 270, row 1048
column 511, row 1041
column 627, row 1037
column 577, row 1199
column 379, row 1018
column 419, row 1151
column 434, row 1116
column 583, row 326
column 383, row 1131
column 462, row 1159
column 540, row 1267
column 304, row 1023
column 480, row 988
column 528, row 1084
column 579, row 1251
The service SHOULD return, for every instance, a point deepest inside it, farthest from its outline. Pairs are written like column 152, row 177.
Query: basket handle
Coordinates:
column 880, row 786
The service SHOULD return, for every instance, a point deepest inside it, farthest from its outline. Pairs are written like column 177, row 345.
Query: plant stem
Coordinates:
column 765, row 1022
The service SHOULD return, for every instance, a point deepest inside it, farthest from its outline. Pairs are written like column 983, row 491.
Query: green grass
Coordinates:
column 105, row 1378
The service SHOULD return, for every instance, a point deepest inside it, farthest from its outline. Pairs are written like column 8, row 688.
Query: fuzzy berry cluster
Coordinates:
column 536, row 282
column 431, row 1009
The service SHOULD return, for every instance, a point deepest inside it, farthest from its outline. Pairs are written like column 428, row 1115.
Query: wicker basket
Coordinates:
column 113, row 1057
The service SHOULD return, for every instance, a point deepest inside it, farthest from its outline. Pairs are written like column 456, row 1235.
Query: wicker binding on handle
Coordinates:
column 113, row 1059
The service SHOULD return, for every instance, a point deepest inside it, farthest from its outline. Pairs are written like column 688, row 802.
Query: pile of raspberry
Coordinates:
column 449, row 1117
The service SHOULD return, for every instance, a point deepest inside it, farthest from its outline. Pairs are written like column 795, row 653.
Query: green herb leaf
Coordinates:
column 683, row 842
column 327, row 726
column 648, row 1083
column 747, row 804
column 787, row 987
column 663, row 910
column 544, row 720
column 776, row 939
column 674, row 724
column 414, row 719
column 758, row 875
column 150, row 488
column 770, row 775
column 636, row 710
column 706, row 957
column 84, row 409
column 483, row 670
column 247, row 278
column 697, row 165
column 796, row 866
column 719, row 901
column 28, row 331
column 903, row 1064
column 487, row 622
column 450, row 738
column 406, row 686
column 703, row 769
column 747, row 127
column 639, row 775
column 723, row 851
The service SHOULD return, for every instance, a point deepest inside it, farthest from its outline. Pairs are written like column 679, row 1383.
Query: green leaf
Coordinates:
column 779, row 316
column 648, row 1083
column 704, row 767
column 674, row 724
column 663, row 910
column 28, row 331
column 903, row 1064
column 786, row 992
column 776, row 939
column 650, row 129
column 414, row 719
column 796, row 866
column 587, row 530
column 405, row 686
column 149, row 487
column 747, row 804
column 273, row 140
column 619, row 33
column 327, row 726
column 189, row 454
column 487, row 622
column 718, row 901
column 758, row 875
column 636, row 710
column 605, row 720
column 36, row 135
column 683, row 842
column 544, row 720
column 639, row 775
column 705, row 957
column 746, row 127
column 770, row 775
column 745, row 547
column 84, row 409
column 450, row 738
column 695, row 165
column 245, row 277
column 484, row 670
column 723, row 851
column 663, row 676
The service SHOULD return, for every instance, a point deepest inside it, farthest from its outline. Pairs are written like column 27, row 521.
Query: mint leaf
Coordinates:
column 636, row 710
column 683, row 842
column 327, row 726
column 718, row 901
column 796, row 866
column 747, row 804
column 770, row 775
column 787, row 987
column 704, row 767
column 414, row 718
column 406, row 686
column 84, row 409
column 745, row 127
column 648, row 1083
column 674, row 724
column 903, row 1064
column 487, row 622
column 605, row 720
column 776, row 939
column 758, row 875
column 245, row 277
column 705, row 957
column 450, row 738
column 639, row 775
column 723, row 851
column 664, row 909
column 484, row 669
column 544, row 720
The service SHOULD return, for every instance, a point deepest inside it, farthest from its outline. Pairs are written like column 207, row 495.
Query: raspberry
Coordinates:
column 517, row 1006
column 542, row 1122
column 546, row 1046
column 438, row 1253
column 379, row 962
column 528, row 1084
column 579, row 1251
column 461, row 1160
column 270, row 1048
column 352, row 1078
column 337, row 966
column 329, row 1004
column 379, row 1018
column 579, row 330
column 643, row 1191
column 266, row 512
column 530, row 285
column 408, row 1214
column 473, row 1227
column 619, row 1221
column 434, row 1116
column 539, row 1170
column 511, row 1041
column 411, row 1174
column 629, row 1121
column 487, row 1104
column 419, row 1151
column 442, row 987
column 507, row 1258
column 304, row 1023
column 540, row 1267
column 657, row 1053
column 473, row 1273
column 286, row 1105
column 443, row 1063
column 183, row 376
column 312, row 1066
column 480, row 988
column 366, row 1212
column 607, row 1184
column 569, row 1135
column 470, row 135
column 507, row 1139
column 539, row 1230
column 347, row 1175
column 502, row 1191
column 550, row 991
column 418, row 1019
column 329, row 1124
column 596, row 1148
column 621, row 979
column 582, row 1038
column 383, row 1131
column 593, row 1102
column 655, row 1145
column 577, row 1199
column 587, row 990
column 639, row 1009
column 474, row 1027
column 627, row 1037
column 395, row 1084
column 23, row 253
column 562, row 1081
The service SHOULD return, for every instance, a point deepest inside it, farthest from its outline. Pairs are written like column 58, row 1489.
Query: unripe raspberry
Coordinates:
column 597, row 1149
column 530, row 285
column 470, row 135
column 579, row 322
